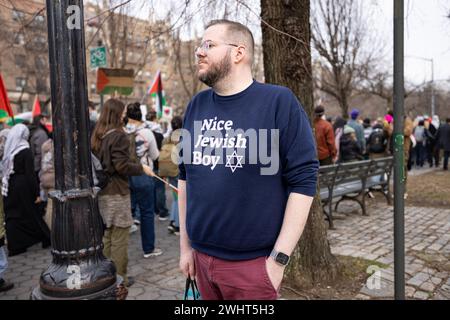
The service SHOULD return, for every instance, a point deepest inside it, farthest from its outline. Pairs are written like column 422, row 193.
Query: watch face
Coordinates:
column 282, row 258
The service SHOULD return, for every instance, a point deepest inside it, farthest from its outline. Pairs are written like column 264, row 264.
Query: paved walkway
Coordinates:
column 156, row 278
column 427, row 246
column 427, row 262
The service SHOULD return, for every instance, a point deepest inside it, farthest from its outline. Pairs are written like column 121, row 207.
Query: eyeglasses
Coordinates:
column 207, row 45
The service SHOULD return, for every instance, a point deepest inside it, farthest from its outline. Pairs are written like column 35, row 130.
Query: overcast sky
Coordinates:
column 427, row 32
column 427, row 35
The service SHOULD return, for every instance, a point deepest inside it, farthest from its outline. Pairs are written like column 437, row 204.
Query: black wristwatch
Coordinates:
column 280, row 257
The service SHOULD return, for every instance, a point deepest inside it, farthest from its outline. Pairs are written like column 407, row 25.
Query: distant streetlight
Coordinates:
column 433, row 97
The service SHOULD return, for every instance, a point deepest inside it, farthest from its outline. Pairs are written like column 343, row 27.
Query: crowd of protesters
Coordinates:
column 426, row 140
column 344, row 140
column 131, row 150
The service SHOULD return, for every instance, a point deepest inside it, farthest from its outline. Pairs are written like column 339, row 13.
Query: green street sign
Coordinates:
column 98, row 57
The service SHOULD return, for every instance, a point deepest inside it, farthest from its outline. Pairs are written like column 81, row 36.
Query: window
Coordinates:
column 139, row 43
column 160, row 48
column 39, row 21
column 41, row 85
column 19, row 60
column 21, row 83
column 20, row 39
column 40, row 63
column 39, row 43
column 17, row 15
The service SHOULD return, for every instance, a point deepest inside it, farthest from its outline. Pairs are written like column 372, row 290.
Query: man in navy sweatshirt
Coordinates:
column 248, row 173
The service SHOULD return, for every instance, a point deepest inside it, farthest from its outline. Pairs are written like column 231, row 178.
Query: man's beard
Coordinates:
column 216, row 72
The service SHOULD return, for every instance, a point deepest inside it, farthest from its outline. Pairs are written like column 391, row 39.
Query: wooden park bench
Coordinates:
column 353, row 181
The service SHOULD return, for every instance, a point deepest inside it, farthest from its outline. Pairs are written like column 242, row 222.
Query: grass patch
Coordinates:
column 429, row 190
column 353, row 277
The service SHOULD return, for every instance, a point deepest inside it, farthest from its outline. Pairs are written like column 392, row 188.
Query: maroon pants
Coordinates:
column 233, row 280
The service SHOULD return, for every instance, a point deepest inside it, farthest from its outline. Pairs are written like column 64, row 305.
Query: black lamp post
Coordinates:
column 399, row 167
column 79, row 270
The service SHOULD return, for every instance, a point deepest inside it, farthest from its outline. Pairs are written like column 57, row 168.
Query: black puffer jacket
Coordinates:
column 444, row 137
column 349, row 149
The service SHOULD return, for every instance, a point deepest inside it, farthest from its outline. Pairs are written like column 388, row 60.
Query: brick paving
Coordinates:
column 427, row 246
column 156, row 277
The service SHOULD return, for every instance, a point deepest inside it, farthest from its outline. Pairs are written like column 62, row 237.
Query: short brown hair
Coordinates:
column 237, row 31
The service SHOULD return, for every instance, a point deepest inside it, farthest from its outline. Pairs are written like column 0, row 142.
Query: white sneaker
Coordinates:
column 137, row 222
column 156, row 252
column 133, row 228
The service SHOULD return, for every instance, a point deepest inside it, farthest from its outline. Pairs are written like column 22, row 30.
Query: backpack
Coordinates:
column 419, row 133
column 377, row 141
column 100, row 176
column 159, row 139
column 133, row 154
column 167, row 168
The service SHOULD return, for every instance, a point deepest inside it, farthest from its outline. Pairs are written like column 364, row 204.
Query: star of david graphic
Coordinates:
column 236, row 164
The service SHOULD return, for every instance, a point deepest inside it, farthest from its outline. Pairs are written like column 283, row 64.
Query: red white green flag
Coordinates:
column 36, row 111
column 5, row 107
column 156, row 91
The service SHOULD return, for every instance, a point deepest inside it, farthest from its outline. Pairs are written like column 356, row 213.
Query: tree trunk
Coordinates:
column 389, row 104
column 344, row 105
column 287, row 62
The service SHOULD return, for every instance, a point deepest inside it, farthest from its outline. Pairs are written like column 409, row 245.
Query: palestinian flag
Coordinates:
column 36, row 111
column 5, row 107
column 111, row 81
column 156, row 91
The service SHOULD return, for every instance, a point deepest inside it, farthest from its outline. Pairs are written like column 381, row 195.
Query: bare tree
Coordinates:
column 184, row 70
column 24, row 43
column 185, row 67
column 378, row 82
column 338, row 36
column 287, row 61
column 118, row 30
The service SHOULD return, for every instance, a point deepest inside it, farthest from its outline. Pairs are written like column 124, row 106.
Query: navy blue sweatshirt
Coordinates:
column 244, row 155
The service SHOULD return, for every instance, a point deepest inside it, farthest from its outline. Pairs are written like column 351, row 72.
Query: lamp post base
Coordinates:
column 117, row 291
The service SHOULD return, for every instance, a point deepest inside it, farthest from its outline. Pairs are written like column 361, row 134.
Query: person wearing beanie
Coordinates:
column 349, row 130
column 349, row 147
column 359, row 130
column 326, row 147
